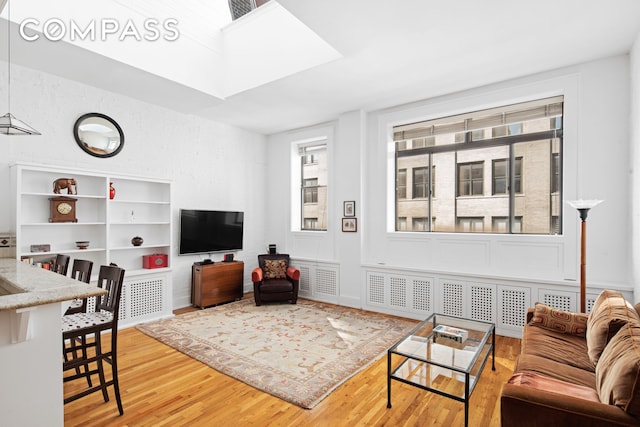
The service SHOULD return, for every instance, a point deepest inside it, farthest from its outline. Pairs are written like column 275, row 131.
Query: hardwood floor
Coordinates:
column 163, row 387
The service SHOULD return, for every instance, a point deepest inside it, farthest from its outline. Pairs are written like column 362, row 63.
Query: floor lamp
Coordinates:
column 583, row 207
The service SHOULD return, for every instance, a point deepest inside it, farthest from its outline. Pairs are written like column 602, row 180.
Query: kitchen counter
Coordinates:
column 32, row 300
column 23, row 285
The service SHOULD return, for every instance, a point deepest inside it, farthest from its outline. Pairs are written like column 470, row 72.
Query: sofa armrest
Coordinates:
column 256, row 275
column 530, row 312
column 524, row 406
column 293, row 273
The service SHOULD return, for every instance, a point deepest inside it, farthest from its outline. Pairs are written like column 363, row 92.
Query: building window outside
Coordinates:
column 402, row 223
column 470, row 179
column 518, row 147
column 401, row 190
column 310, row 187
column 500, row 175
column 310, row 223
column 313, row 187
column 500, row 224
column 471, row 225
column 555, row 173
column 419, row 224
column 419, row 183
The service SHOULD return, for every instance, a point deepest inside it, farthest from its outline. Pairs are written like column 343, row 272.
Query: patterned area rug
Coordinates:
column 299, row 353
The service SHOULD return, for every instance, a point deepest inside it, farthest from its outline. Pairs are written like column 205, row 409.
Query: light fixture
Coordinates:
column 583, row 207
column 9, row 124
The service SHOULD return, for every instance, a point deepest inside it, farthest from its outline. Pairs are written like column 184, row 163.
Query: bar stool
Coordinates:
column 83, row 331
column 61, row 264
column 81, row 270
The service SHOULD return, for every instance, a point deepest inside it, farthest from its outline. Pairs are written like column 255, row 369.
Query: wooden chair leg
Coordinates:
column 103, row 382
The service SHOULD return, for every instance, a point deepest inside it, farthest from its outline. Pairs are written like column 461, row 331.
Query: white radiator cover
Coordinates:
column 505, row 303
column 144, row 298
column 418, row 294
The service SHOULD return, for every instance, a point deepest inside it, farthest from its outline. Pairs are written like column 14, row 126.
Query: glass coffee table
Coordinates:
column 444, row 355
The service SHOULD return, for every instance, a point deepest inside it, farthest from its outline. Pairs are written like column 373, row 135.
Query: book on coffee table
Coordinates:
column 450, row 333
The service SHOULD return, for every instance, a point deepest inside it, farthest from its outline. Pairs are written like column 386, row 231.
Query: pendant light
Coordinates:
column 10, row 125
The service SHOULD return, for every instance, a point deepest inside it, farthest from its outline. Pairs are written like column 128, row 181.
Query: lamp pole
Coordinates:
column 583, row 207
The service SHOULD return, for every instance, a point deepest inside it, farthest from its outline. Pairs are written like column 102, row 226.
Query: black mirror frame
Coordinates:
column 107, row 118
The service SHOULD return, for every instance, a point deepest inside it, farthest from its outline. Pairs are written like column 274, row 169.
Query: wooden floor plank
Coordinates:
column 162, row 387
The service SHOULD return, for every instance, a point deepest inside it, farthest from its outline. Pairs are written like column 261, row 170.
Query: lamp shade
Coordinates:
column 583, row 204
column 9, row 125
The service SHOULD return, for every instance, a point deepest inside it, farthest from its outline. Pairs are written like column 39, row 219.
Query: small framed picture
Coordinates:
column 350, row 225
column 350, row 208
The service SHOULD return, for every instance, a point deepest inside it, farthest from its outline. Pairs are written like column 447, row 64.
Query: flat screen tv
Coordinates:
column 204, row 231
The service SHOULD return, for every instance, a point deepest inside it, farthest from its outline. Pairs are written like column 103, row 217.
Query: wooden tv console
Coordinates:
column 216, row 283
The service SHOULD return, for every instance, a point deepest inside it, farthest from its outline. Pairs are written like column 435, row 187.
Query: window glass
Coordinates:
column 496, row 170
column 313, row 160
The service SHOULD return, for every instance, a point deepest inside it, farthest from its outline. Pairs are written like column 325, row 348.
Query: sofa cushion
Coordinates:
column 560, row 371
column 618, row 370
column 275, row 268
column 552, row 385
column 558, row 320
column 563, row 348
column 609, row 313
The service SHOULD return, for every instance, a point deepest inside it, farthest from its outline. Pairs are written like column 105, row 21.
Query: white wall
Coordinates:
column 596, row 148
column 211, row 165
column 634, row 164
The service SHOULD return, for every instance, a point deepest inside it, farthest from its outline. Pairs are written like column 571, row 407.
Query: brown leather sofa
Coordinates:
column 577, row 370
column 275, row 280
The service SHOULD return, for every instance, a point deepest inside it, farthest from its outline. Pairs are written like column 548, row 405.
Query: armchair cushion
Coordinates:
column 275, row 268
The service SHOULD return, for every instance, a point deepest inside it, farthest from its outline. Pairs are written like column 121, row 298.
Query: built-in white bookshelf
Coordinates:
column 141, row 207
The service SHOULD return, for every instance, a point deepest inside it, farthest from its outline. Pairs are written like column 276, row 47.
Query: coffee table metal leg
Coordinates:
column 388, row 380
column 466, row 400
column 493, row 350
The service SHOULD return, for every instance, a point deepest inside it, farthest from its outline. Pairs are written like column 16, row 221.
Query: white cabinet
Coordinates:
column 141, row 207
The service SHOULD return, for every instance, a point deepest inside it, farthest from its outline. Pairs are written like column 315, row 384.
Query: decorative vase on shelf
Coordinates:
column 137, row 241
column 112, row 191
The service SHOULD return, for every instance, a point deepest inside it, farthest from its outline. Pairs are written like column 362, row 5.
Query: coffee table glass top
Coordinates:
column 444, row 354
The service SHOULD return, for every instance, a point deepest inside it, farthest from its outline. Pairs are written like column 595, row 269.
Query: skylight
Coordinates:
column 240, row 8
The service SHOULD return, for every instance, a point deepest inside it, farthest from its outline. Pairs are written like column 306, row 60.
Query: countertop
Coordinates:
column 23, row 285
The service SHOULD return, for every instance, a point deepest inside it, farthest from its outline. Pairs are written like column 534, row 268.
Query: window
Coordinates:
column 500, row 173
column 313, row 187
column 419, row 224
column 402, row 223
column 310, row 187
column 419, row 183
column 500, row 224
column 555, row 173
column 502, row 164
column 401, row 189
column 240, row 8
column 471, row 225
column 310, row 158
column 310, row 223
column 470, row 179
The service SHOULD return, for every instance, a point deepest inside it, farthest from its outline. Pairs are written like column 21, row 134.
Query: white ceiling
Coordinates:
column 393, row 52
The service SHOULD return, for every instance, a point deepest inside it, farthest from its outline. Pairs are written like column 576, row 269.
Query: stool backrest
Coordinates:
column 111, row 279
column 61, row 264
column 81, row 270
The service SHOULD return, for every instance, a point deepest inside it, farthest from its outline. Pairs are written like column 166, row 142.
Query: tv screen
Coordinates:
column 203, row 231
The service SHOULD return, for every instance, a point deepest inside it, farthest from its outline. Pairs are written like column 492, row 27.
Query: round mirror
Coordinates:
column 98, row 135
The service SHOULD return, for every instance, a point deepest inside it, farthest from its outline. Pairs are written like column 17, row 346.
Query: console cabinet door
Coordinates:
column 217, row 283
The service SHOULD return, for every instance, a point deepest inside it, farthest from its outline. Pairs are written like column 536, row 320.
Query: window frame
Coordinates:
column 554, row 133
